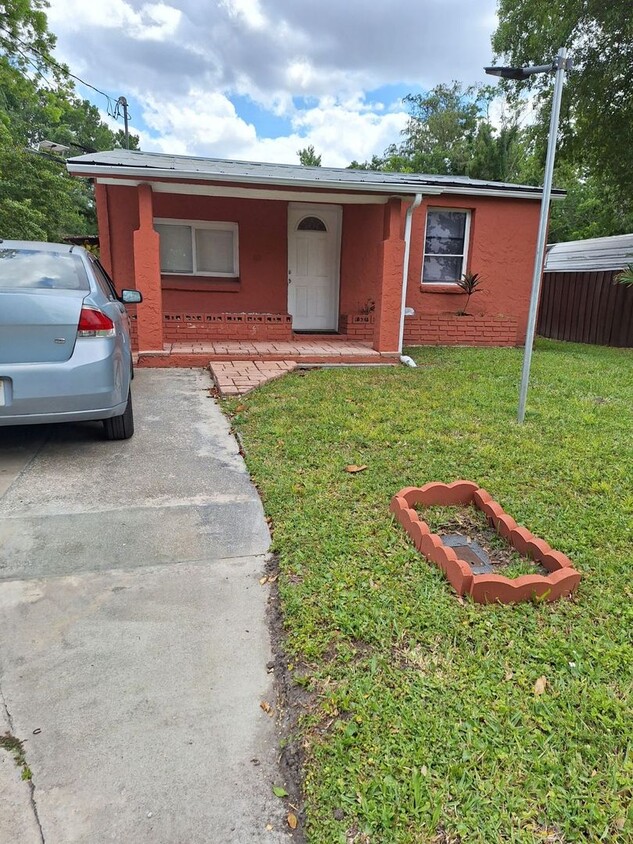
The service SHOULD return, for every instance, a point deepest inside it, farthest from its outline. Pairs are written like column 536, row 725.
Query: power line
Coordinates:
column 114, row 106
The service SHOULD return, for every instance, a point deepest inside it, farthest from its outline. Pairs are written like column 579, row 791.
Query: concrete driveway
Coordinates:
column 133, row 642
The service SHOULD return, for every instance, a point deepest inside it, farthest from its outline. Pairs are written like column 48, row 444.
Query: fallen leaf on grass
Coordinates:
column 279, row 791
column 354, row 470
column 266, row 707
column 539, row 686
column 292, row 820
column 240, row 408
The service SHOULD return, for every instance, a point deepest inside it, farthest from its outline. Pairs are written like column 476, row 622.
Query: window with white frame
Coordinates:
column 197, row 247
column 445, row 245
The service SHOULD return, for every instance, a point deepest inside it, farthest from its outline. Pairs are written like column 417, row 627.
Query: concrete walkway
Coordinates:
column 133, row 642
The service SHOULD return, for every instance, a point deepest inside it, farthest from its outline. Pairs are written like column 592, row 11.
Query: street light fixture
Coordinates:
column 560, row 64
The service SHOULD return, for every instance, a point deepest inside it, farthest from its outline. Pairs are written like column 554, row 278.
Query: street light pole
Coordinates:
column 560, row 64
column 561, row 67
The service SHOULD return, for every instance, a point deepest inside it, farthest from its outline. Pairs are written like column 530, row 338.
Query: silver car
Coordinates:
column 65, row 351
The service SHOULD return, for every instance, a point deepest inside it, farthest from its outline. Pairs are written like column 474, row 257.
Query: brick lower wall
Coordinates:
column 451, row 330
column 131, row 311
column 428, row 330
column 209, row 328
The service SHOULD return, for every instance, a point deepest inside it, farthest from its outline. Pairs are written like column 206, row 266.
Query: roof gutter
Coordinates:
column 405, row 273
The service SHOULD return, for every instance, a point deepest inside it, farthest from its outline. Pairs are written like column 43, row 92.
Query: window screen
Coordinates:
column 214, row 250
column 445, row 245
column 175, row 249
column 198, row 249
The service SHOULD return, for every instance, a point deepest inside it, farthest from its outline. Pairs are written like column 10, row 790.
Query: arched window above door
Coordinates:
column 311, row 224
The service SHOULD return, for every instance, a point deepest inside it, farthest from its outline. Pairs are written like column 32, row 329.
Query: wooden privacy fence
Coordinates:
column 586, row 307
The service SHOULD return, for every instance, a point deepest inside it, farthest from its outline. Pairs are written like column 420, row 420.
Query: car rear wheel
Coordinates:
column 120, row 427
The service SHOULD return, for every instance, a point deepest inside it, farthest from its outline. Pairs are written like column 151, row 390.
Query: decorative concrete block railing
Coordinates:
column 562, row 579
column 183, row 326
column 357, row 326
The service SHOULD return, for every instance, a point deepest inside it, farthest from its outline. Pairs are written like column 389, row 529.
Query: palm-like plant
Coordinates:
column 469, row 283
column 626, row 276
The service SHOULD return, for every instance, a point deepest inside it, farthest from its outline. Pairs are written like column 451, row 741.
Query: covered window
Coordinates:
column 445, row 245
column 190, row 247
column 311, row 224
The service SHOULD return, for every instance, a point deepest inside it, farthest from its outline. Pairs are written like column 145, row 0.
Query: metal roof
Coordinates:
column 596, row 253
column 123, row 163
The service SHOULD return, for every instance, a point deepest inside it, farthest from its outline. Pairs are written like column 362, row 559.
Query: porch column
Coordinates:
column 103, row 223
column 388, row 300
column 147, row 275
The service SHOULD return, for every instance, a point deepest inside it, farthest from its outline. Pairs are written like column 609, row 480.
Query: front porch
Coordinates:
column 335, row 267
column 238, row 366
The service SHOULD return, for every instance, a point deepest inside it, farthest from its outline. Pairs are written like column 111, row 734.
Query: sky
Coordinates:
column 258, row 80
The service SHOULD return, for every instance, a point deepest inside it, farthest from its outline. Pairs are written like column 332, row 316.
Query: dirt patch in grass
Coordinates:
column 292, row 700
column 472, row 524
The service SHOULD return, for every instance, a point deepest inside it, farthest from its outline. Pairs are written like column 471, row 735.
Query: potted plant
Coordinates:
column 469, row 283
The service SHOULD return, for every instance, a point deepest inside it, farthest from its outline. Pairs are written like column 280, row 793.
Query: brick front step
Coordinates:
column 202, row 359
column 235, row 378
column 308, row 351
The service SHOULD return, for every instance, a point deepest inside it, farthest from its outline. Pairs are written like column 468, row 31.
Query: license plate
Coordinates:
column 2, row 398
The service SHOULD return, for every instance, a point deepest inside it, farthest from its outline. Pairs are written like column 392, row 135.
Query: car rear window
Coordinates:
column 34, row 269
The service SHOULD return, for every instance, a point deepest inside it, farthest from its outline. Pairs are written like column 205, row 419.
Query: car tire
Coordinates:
column 120, row 427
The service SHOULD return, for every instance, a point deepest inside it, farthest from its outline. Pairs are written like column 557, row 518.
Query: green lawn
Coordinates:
column 426, row 726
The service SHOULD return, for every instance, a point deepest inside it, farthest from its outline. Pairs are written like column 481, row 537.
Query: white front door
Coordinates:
column 314, row 257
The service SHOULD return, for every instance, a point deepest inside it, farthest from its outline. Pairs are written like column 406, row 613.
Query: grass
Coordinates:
column 16, row 747
column 426, row 724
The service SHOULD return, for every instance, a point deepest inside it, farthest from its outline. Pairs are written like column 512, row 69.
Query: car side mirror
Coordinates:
column 131, row 297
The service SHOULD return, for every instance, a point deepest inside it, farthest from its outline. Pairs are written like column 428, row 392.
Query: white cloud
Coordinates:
column 249, row 11
column 152, row 22
column 208, row 124
column 182, row 61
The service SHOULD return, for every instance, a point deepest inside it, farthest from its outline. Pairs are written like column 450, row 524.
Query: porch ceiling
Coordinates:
column 261, row 192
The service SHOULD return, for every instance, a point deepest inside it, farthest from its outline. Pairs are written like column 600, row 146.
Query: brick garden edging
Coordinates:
column 562, row 580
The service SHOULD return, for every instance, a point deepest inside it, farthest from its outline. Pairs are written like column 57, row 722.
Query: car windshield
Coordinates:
column 34, row 269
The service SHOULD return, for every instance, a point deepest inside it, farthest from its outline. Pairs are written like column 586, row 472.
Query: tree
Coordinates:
column 308, row 157
column 597, row 111
column 449, row 133
column 376, row 163
column 440, row 131
column 38, row 199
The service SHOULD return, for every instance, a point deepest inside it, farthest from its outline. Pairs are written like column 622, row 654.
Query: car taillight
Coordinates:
column 94, row 323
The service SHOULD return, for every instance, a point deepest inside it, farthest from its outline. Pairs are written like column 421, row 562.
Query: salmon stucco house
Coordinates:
column 230, row 251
